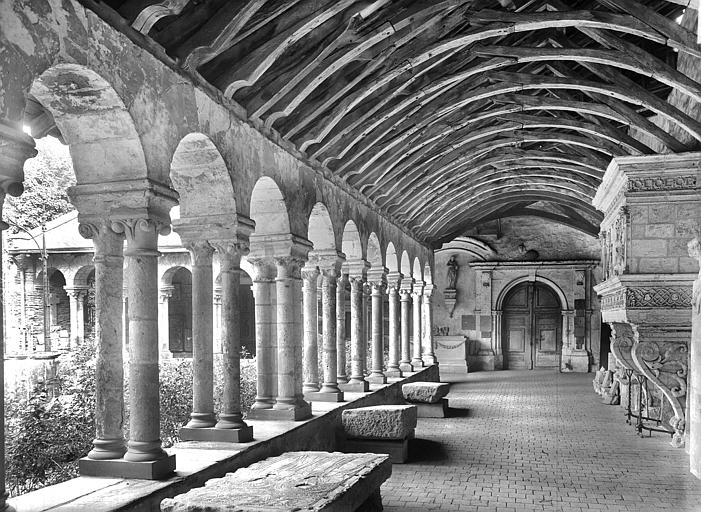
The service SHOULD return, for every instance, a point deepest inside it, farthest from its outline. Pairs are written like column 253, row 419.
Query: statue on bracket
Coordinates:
column 452, row 273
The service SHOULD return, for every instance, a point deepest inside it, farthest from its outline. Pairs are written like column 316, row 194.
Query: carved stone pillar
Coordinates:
column 15, row 148
column 427, row 354
column 217, row 319
column 651, row 209
column 310, row 276
column 416, row 297
column 394, row 280
column 202, row 415
column 405, row 299
column 377, row 280
column 266, row 336
column 357, row 382
column 342, row 377
column 367, row 326
column 289, row 403
column 694, row 403
column 76, row 297
column 329, row 265
column 231, row 426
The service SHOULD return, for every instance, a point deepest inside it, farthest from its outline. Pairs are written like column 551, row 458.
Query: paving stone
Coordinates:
column 380, row 422
column 425, row 392
column 543, row 441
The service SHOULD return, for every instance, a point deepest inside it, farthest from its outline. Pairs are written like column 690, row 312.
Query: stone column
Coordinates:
column 428, row 356
column 377, row 281
column 367, row 326
column 416, row 297
column 394, row 280
column 694, row 386
column 357, row 382
column 405, row 299
column 231, row 426
column 164, row 294
column 329, row 391
column 202, row 415
column 217, row 318
column 15, row 148
column 76, row 297
column 266, row 337
column 289, row 403
column 342, row 378
column 109, row 370
column 309, row 303
column 497, row 340
column 144, row 444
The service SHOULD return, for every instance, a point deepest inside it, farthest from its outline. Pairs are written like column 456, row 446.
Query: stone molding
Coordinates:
column 327, row 260
column 394, row 281
column 279, row 246
column 660, row 183
column 377, row 277
column 355, row 268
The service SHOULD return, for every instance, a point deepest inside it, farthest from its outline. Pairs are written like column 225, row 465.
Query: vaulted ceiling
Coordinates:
column 449, row 114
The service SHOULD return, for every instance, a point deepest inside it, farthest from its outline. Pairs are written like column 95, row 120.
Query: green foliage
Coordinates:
column 46, row 178
column 46, row 436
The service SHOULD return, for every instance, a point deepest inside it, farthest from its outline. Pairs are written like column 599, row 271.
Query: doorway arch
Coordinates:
column 532, row 327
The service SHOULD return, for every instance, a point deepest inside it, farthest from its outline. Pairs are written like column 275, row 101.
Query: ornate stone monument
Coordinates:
column 650, row 207
column 450, row 294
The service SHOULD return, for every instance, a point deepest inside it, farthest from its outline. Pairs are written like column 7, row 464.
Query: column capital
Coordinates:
column 217, row 295
column 417, row 288
column 16, row 147
column 166, row 292
column 404, row 295
column 263, row 269
column 76, row 292
column 222, row 229
column 289, row 267
column 356, row 268
column 428, row 290
column 377, row 276
column 357, row 283
column 310, row 274
column 341, row 280
column 407, row 284
column 394, row 280
column 274, row 246
column 329, row 260
column 201, row 251
column 141, row 233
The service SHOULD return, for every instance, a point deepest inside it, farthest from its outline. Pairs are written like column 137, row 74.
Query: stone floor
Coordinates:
column 522, row 441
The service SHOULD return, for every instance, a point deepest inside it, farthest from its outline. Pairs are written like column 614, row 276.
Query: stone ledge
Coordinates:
column 425, row 392
column 120, row 468
column 221, row 435
column 380, row 422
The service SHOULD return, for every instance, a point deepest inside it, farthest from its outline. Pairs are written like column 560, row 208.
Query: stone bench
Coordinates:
column 380, row 429
column 428, row 397
column 309, row 481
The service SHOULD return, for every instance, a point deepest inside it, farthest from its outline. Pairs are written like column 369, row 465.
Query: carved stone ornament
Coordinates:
column 694, row 248
column 452, row 273
column 658, row 183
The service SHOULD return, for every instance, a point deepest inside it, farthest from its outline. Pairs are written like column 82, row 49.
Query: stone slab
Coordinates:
column 301, row 412
column 310, row 481
column 425, row 392
column 380, row 422
column 318, row 396
column 355, row 387
column 435, row 410
column 120, row 468
column 398, row 451
column 221, row 435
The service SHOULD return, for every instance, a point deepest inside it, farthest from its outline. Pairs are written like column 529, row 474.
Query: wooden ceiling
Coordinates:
column 448, row 114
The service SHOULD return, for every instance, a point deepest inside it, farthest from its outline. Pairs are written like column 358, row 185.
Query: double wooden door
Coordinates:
column 532, row 336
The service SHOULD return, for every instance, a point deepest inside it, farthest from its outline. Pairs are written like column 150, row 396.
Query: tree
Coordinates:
column 46, row 178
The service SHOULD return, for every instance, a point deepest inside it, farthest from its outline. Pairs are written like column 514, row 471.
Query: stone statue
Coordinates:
column 452, row 272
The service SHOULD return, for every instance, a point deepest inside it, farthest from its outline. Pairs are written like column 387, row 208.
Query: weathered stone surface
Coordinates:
column 310, row 481
column 425, row 392
column 380, row 422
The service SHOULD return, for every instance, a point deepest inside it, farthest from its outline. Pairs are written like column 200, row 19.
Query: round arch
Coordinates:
column 93, row 121
column 320, row 232
column 351, row 245
column 268, row 208
column 374, row 251
column 405, row 267
column 391, row 259
column 200, row 175
column 81, row 277
column 169, row 274
column 417, row 270
column 504, row 292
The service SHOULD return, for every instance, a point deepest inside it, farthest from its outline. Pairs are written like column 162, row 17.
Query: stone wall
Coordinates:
column 478, row 292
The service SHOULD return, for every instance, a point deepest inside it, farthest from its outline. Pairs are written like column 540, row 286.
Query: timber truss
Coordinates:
column 451, row 113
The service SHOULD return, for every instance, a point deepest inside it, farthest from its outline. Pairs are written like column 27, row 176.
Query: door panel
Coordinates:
column 517, row 333
column 547, row 353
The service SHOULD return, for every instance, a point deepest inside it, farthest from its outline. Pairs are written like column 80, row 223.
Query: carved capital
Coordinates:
column 201, row 252
column 108, row 243
column 263, row 270
column 289, row 267
column 357, row 284
column 141, row 232
column 76, row 293
column 310, row 275
column 166, row 292
column 404, row 295
column 16, row 148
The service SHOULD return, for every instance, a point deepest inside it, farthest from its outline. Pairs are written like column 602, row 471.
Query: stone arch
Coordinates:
column 417, row 270
column 428, row 275
column 268, row 208
column 200, row 175
column 351, row 245
column 93, row 121
column 374, row 251
column 391, row 260
column 167, row 277
column 320, row 232
column 504, row 292
column 80, row 279
column 405, row 266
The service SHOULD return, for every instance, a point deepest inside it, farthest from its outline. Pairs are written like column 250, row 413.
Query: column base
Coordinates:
column 377, row 379
column 120, row 468
column 342, row 379
column 417, row 363
column 222, row 435
column 395, row 373
column 298, row 412
column 322, row 396
column 429, row 360
column 310, row 388
column 355, row 387
column 406, row 367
